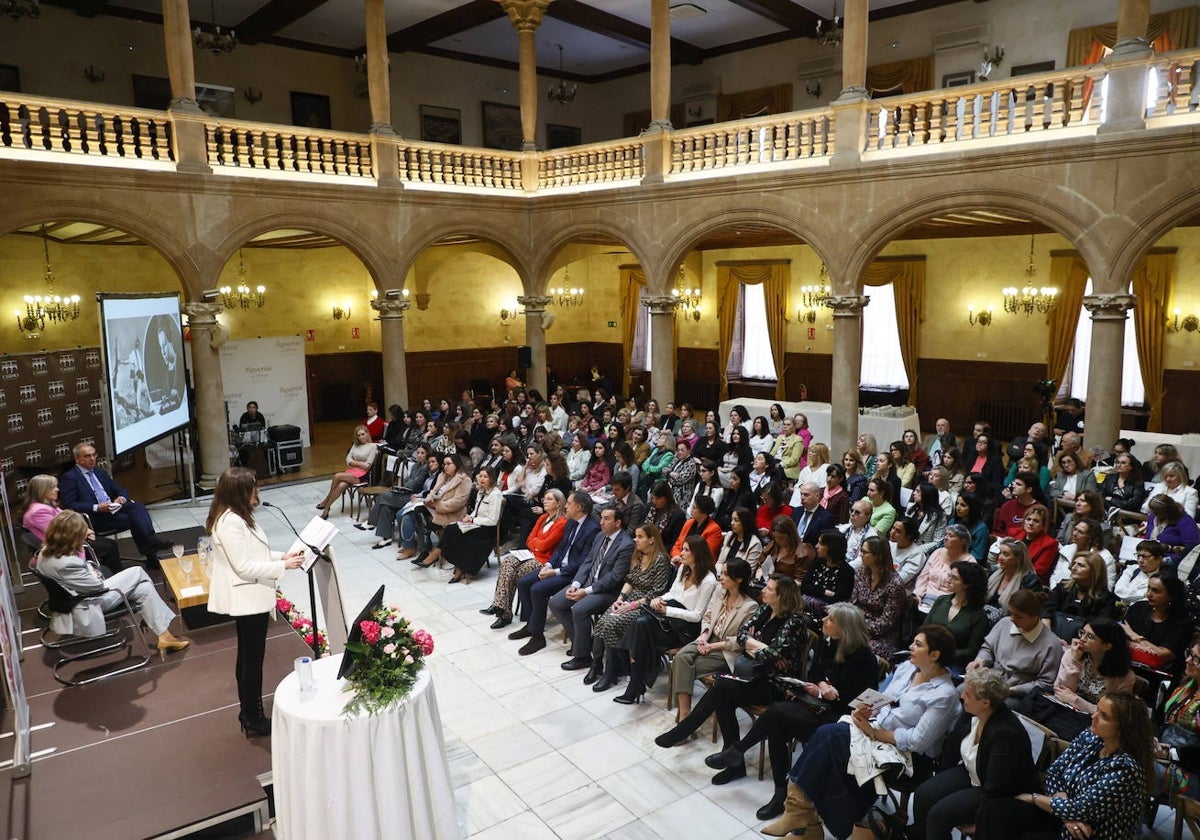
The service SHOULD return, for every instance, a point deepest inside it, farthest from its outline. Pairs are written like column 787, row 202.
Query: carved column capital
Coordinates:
column 1109, row 307
column 203, row 315
column 526, row 15
column 534, row 303
column 391, row 310
column 661, row 304
column 847, row 306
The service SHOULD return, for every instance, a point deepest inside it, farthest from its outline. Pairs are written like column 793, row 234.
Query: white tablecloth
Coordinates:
column 1146, row 441
column 379, row 776
column 885, row 429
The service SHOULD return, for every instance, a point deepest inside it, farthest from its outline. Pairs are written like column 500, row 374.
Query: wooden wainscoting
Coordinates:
column 812, row 370
column 1179, row 401
column 572, row 362
column 959, row 390
column 338, row 384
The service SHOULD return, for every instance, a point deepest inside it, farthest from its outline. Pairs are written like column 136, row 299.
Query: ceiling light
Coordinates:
column 687, row 11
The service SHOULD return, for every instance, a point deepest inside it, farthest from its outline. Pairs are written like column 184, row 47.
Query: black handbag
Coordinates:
column 1066, row 626
column 748, row 668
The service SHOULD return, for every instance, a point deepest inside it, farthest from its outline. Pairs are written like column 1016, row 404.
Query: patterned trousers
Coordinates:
column 511, row 570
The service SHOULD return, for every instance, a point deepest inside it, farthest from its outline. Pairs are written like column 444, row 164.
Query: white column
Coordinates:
column 209, row 391
column 847, row 369
column 1108, row 313
column 535, row 338
column 662, row 346
column 395, row 366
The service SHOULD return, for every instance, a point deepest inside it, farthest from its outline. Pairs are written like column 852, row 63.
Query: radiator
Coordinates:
column 1008, row 420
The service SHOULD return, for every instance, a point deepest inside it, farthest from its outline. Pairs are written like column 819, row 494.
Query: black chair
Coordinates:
column 73, row 648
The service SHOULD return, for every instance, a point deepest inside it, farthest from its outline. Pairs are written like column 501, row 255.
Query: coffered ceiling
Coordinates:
column 601, row 39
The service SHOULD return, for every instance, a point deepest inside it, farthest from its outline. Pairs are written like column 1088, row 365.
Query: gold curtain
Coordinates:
column 632, row 281
column 906, row 275
column 1069, row 274
column 1174, row 30
column 911, row 76
column 776, row 99
column 1153, row 281
column 776, row 278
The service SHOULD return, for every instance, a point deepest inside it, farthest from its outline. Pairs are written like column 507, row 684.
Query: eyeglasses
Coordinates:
column 1142, row 555
column 1088, row 636
column 1192, row 658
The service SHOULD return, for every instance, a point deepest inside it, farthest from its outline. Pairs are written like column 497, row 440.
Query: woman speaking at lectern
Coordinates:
column 243, row 584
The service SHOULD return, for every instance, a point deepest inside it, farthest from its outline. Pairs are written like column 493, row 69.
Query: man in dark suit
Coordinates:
column 594, row 588
column 811, row 519
column 535, row 589
column 92, row 492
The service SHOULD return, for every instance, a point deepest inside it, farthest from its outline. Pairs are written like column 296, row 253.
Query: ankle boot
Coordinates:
column 611, row 672
column 798, row 813
column 775, row 807
column 679, row 732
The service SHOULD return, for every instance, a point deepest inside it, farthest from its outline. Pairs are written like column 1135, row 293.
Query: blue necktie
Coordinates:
column 101, row 496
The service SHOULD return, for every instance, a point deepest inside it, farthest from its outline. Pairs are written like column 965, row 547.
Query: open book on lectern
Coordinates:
column 318, row 532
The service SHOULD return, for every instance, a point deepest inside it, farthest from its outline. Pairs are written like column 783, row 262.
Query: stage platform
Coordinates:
column 153, row 753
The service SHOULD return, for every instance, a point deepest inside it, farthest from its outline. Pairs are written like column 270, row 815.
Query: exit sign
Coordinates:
column 612, row 324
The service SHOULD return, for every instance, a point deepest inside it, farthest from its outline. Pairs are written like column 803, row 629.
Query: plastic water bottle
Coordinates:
column 304, row 673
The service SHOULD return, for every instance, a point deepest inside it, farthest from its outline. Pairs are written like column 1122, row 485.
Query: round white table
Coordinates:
column 367, row 776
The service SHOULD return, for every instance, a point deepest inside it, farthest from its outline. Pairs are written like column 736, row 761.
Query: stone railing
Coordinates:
column 1047, row 102
column 105, row 133
column 594, row 164
column 441, row 165
column 276, row 148
column 786, row 138
column 1174, row 92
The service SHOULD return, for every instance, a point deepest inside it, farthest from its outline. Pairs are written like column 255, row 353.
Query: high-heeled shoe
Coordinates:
column 492, row 610
column 432, row 558
column 254, row 728
column 169, row 644
column 633, row 694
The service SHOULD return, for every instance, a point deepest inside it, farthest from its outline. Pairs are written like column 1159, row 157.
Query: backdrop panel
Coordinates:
column 271, row 372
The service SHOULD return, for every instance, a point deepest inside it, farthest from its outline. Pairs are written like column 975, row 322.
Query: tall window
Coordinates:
column 641, row 336
column 1133, row 389
column 882, row 364
column 757, row 362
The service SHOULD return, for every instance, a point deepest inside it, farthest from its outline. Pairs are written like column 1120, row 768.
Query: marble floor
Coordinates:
column 533, row 752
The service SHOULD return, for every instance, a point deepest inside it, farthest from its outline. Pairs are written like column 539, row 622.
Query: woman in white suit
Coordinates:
column 243, row 584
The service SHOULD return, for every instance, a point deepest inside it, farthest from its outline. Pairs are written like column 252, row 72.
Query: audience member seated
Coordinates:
column 541, row 543
column 856, row 475
column 961, row 612
column 968, row 512
column 1082, row 597
column 883, row 513
column 810, row 518
column 992, row 757
column 526, row 484
column 625, row 500
column 1123, row 488
column 815, row 467
column 700, row 523
column 1087, row 535
column 820, row 788
column 1164, row 454
column 885, row 471
column 1088, row 505
column 925, row 508
column 445, row 504
column 857, row 530
column 1033, row 460
column 830, row 578
column 1158, row 627
column 579, row 459
column 679, row 614
column 1133, row 580
column 1170, row 525
column 773, row 643
column 382, row 515
column 682, row 475
column 715, row 650
column 1011, row 515
column 62, row 560
column 842, row 668
column 772, row 505
column 1180, row 740
column 867, row 450
column 597, row 473
column 1096, row 789
column 359, row 459
column 41, row 506
column 1095, row 662
column 1014, row 573
column 92, row 492
column 1043, row 548
column 788, row 449
column 941, row 440
column 783, row 555
column 659, row 459
column 742, row 542
column 981, row 488
column 665, row 514
column 934, row 579
column 985, row 461
column 594, row 589
column 1173, row 482
column 834, row 497
column 374, row 423
column 413, row 525
column 535, row 588
column 908, row 557
column 710, row 447
column 1021, row 648
column 468, row 542
column 1038, row 433
column 902, row 463
column 916, row 453
column 1073, row 478
column 880, row 595
column 625, row 463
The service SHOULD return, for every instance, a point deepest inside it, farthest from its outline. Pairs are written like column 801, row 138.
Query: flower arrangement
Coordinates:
column 386, row 660
column 301, row 623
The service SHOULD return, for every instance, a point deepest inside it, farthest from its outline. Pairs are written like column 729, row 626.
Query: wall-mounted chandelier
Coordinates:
column 243, row 297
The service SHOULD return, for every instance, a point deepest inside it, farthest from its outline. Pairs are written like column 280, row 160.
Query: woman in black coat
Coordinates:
column 1002, row 757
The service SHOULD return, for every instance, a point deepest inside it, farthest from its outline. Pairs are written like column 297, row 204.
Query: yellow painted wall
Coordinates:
column 1182, row 350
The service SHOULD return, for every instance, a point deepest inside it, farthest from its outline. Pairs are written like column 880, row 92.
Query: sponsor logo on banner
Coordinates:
column 72, row 410
column 96, row 407
column 8, row 369
column 28, row 394
column 45, row 416
column 16, row 423
column 33, row 456
column 82, row 385
column 91, row 359
column 62, row 451
column 57, row 389
column 3, row 398
column 66, row 362
column 38, row 365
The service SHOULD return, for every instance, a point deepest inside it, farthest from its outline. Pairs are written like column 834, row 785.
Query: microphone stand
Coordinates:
column 312, row 588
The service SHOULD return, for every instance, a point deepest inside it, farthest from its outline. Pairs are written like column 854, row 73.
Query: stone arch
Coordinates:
column 164, row 241
column 549, row 257
column 677, row 248
column 881, row 230
column 511, row 250
column 1153, row 226
column 355, row 240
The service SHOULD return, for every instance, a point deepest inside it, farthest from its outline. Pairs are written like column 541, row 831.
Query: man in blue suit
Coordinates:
column 535, row 589
column 595, row 587
column 811, row 519
column 92, row 492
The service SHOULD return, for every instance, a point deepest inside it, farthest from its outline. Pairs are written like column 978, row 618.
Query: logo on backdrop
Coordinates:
column 28, row 394
column 57, row 389
column 8, row 369
column 72, row 411
column 66, row 362
column 91, row 359
column 45, row 416
column 16, row 423
column 38, row 365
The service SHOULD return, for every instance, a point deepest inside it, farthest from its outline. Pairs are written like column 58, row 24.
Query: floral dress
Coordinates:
column 1183, row 709
column 882, row 607
column 682, row 478
column 646, row 583
column 1109, row 794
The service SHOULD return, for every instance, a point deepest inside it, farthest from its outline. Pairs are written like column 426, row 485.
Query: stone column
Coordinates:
column 395, row 367
column 383, row 150
column 1133, row 23
column 535, row 338
column 191, row 150
column 662, row 346
column 1104, row 365
column 851, row 106
column 209, row 390
column 657, row 138
column 1128, row 66
column 847, row 369
column 526, row 17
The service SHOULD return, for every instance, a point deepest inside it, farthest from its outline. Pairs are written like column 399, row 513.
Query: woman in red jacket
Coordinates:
column 540, row 544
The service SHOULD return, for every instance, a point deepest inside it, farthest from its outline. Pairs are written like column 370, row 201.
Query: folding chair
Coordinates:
column 383, row 477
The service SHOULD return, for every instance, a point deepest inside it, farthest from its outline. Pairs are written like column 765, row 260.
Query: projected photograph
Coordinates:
column 144, row 359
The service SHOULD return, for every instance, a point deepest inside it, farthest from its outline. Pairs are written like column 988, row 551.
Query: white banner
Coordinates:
column 269, row 371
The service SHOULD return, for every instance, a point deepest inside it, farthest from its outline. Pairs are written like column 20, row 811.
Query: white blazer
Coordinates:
column 244, row 568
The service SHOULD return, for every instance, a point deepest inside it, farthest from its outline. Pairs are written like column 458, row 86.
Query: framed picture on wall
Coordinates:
column 501, row 126
column 310, row 110
column 560, row 136
column 10, row 78
column 1030, row 69
column 966, row 77
column 441, row 125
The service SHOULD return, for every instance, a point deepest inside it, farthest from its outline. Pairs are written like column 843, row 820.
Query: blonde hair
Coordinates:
column 65, row 534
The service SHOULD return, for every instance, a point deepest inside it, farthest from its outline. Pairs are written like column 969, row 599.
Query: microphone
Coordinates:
column 321, row 554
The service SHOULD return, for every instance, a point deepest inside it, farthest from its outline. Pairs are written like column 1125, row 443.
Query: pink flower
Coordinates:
column 370, row 631
column 389, row 648
column 408, row 660
column 422, row 638
column 301, row 624
column 308, row 640
column 386, row 632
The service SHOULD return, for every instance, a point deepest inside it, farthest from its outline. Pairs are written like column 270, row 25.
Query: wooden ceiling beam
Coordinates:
column 618, row 29
column 270, row 18
column 782, row 12
column 459, row 19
